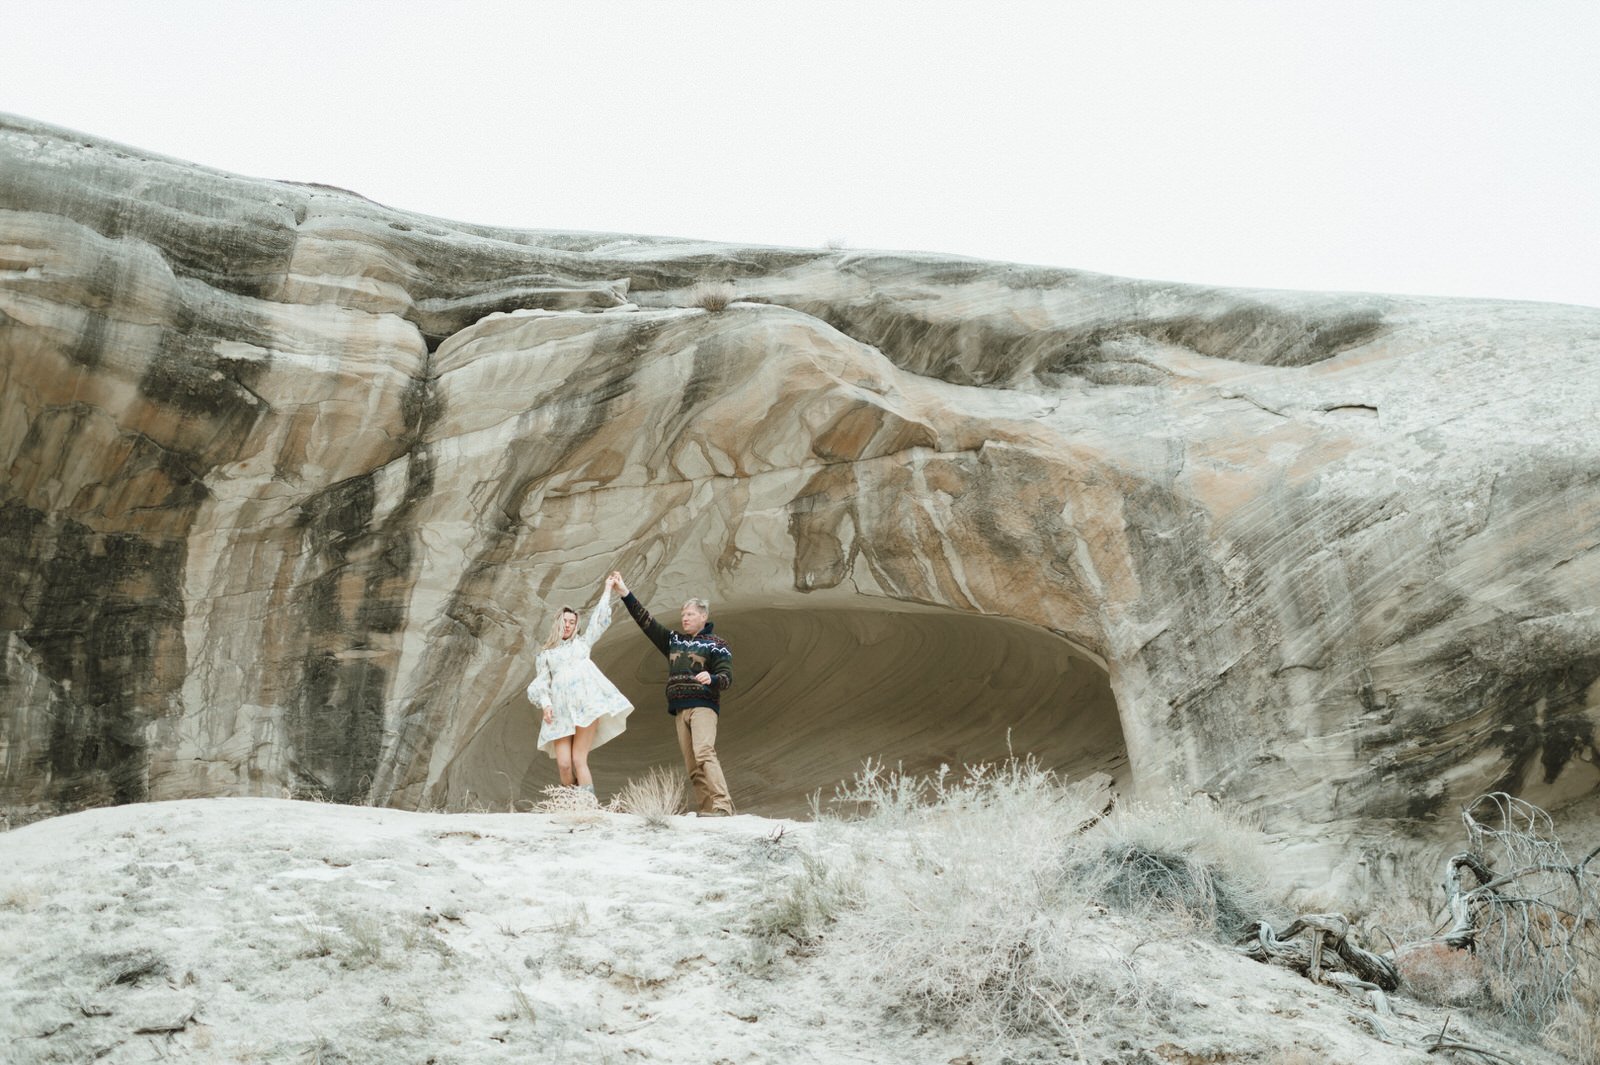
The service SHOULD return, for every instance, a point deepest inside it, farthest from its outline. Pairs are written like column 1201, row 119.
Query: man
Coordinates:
column 699, row 669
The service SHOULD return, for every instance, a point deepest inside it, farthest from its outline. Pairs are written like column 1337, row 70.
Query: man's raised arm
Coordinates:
column 652, row 628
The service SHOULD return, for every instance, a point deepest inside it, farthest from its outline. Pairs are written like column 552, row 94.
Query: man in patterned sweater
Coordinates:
column 699, row 669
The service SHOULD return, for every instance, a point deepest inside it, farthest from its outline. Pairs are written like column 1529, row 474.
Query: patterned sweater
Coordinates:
column 686, row 656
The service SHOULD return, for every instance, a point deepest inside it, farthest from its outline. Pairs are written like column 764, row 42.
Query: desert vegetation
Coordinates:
column 1011, row 907
column 659, row 794
column 713, row 296
column 976, row 901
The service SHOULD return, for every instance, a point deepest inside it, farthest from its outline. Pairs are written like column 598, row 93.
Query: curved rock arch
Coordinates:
column 695, row 478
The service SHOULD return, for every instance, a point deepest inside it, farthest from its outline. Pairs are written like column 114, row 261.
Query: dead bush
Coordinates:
column 1192, row 861
column 974, row 900
column 560, row 798
column 1576, row 1028
column 1527, row 909
column 1442, row 975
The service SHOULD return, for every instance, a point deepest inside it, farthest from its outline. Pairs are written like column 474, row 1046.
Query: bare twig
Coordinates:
column 1470, row 1049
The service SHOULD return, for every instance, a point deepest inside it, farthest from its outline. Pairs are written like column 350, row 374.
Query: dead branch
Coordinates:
column 1469, row 1048
column 1536, row 939
column 1513, row 898
column 1332, row 947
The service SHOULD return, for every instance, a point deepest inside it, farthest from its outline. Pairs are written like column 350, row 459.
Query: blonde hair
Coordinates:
column 555, row 630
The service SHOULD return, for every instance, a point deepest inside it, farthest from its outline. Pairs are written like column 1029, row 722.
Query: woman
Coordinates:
column 582, row 709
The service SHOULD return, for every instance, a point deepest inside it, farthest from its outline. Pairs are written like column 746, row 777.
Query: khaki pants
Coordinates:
column 697, row 738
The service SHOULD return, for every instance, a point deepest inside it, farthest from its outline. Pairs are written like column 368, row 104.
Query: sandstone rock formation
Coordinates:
column 293, row 481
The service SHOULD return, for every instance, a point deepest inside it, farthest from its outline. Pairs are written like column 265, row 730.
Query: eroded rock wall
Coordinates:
column 292, row 482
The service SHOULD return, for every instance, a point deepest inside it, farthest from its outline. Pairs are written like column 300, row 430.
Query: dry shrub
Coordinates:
column 1576, row 1029
column 973, row 901
column 19, row 898
column 324, row 1051
column 1147, row 882
column 803, row 905
column 559, row 798
column 963, row 920
column 1442, row 975
column 1193, row 861
column 361, row 940
column 1530, row 911
column 656, row 796
column 713, row 296
column 132, row 967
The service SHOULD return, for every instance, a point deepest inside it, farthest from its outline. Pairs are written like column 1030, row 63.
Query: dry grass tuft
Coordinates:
column 132, row 967
column 656, row 796
column 362, row 941
column 713, row 296
column 561, row 799
column 1576, row 1029
column 805, row 904
column 19, row 898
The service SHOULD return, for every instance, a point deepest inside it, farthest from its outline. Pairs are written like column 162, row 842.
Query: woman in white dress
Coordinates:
column 582, row 709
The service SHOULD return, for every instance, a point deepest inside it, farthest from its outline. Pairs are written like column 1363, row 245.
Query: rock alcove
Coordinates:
column 820, row 690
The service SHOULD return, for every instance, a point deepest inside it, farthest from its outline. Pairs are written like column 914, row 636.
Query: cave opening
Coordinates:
column 818, row 691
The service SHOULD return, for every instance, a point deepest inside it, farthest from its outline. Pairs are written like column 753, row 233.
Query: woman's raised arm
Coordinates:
column 599, row 617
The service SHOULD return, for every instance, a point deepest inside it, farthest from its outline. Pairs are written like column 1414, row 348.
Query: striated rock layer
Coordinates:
column 292, row 483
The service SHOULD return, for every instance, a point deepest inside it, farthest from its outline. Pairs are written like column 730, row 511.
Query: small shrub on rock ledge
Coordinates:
column 713, row 296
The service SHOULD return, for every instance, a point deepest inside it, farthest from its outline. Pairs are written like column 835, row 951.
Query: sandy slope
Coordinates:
column 256, row 930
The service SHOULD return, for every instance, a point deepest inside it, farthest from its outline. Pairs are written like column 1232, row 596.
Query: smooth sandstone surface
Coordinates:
column 291, row 484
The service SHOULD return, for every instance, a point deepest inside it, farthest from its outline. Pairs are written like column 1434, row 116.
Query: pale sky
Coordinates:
column 1407, row 146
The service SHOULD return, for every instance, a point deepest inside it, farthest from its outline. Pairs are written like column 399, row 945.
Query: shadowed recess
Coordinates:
column 818, row 691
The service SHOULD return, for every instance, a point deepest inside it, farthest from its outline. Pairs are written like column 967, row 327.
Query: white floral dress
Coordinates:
column 567, row 681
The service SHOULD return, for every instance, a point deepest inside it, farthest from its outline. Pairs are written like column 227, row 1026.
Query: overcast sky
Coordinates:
column 1405, row 146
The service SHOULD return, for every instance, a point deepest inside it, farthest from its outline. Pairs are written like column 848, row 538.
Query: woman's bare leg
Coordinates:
column 582, row 741
column 563, row 748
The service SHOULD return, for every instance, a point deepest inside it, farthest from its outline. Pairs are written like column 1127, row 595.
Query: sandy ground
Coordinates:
column 256, row 930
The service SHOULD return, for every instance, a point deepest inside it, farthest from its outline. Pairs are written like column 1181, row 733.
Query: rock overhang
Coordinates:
column 1335, row 552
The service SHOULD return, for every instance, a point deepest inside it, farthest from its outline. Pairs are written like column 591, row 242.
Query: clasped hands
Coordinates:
column 615, row 581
